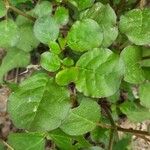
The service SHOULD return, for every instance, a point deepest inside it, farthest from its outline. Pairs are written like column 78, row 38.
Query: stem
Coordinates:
column 120, row 6
column 7, row 145
column 143, row 137
column 8, row 6
column 135, row 132
column 113, row 132
column 22, row 13
column 111, row 140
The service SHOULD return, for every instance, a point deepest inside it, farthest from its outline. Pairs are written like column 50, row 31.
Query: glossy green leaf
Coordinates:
column 43, row 8
column 9, row 34
column 3, row 9
column 134, row 112
column 14, row 58
column 82, row 4
column 54, row 47
column 100, row 73
column 39, row 104
column 68, row 61
column 144, row 94
column 46, row 29
column 50, row 61
column 82, row 119
column 132, row 56
column 66, row 76
column 27, row 40
column 61, row 15
column 135, row 25
column 105, row 16
column 26, row 141
column 84, row 35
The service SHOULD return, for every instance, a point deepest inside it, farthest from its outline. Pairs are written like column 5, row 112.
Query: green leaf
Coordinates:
column 26, row 141
column 46, row 29
column 100, row 135
column 145, row 63
column 68, row 61
column 27, row 40
column 105, row 16
column 61, row 15
column 66, row 76
column 50, row 61
column 43, row 9
column 81, row 5
column 14, row 58
column 84, row 35
column 131, row 57
column 62, row 42
column 21, row 20
column 82, row 119
column 145, row 52
column 146, row 72
column 39, row 104
column 100, row 73
column 15, row 2
column 144, row 94
column 62, row 140
column 135, row 24
column 1, row 146
column 67, row 142
column 3, row 10
column 54, row 47
column 123, row 144
column 134, row 112
column 9, row 34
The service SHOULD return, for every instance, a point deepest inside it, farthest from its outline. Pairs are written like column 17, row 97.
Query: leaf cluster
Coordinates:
column 94, row 66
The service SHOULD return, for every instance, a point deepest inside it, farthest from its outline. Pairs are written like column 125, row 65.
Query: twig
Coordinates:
column 143, row 137
column 7, row 145
column 135, row 132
